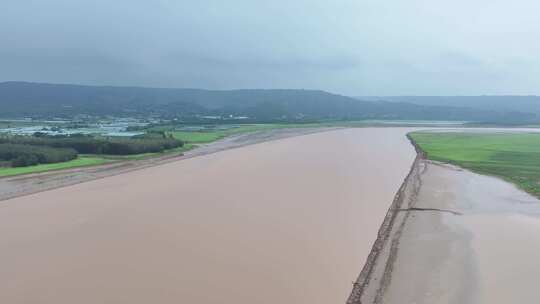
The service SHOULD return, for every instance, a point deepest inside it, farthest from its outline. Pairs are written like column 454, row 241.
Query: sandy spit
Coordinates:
column 286, row 221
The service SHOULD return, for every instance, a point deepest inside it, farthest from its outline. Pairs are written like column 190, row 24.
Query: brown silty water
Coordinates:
column 288, row 221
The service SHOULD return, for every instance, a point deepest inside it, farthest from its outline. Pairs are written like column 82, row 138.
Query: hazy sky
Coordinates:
column 355, row 47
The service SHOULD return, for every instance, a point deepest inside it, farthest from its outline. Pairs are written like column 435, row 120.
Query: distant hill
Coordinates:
column 508, row 103
column 23, row 99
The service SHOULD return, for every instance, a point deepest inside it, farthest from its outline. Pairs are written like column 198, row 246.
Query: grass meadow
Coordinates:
column 514, row 157
column 82, row 161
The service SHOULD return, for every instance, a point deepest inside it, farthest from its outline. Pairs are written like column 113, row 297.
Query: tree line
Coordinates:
column 95, row 145
column 38, row 149
column 17, row 155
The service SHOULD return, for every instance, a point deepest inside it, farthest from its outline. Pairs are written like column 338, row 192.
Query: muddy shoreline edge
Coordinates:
column 376, row 273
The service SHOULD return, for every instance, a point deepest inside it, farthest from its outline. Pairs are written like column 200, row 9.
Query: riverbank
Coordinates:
column 15, row 186
column 461, row 237
column 375, row 276
column 473, row 248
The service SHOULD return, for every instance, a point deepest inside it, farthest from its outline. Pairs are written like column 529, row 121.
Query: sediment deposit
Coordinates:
column 456, row 237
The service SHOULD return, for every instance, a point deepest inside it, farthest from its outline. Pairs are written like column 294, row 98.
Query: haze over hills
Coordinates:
column 518, row 103
column 24, row 99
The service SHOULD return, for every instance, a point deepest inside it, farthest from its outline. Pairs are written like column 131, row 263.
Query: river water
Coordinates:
column 287, row 221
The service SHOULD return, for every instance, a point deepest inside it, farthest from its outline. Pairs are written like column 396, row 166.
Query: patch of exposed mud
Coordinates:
column 454, row 237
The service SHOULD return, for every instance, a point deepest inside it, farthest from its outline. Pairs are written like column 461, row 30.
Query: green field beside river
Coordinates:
column 514, row 157
column 78, row 162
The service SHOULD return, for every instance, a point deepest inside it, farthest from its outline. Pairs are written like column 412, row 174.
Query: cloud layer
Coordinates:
column 355, row 47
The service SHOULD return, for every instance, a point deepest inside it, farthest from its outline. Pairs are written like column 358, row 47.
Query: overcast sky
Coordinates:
column 354, row 47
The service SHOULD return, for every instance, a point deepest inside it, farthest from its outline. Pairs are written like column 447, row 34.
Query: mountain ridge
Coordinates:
column 67, row 100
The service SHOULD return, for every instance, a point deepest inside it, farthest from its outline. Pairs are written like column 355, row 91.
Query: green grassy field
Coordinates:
column 79, row 162
column 513, row 157
column 199, row 137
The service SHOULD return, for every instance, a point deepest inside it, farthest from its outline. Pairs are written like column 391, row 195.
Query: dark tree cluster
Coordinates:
column 97, row 145
column 20, row 155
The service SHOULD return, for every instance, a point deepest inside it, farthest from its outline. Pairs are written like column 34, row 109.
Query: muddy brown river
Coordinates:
column 287, row 221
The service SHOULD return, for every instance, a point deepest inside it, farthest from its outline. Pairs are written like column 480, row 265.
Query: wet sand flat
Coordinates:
column 485, row 255
column 507, row 247
column 288, row 221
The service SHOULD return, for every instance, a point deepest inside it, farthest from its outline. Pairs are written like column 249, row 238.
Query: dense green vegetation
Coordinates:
column 18, row 155
column 40, row 149
column 79, row 162
column 96, row 145
column 511, row 156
